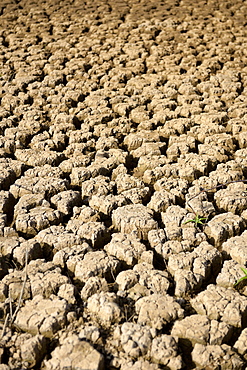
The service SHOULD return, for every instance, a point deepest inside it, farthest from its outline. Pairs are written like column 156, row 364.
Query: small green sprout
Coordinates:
column 197, row 220
column 243, row 277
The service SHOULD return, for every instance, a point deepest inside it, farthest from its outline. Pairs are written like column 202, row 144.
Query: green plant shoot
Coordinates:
column 197, row 220
column 243, row 277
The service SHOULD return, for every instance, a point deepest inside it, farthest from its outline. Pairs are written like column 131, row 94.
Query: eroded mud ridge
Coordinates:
column 114, row 119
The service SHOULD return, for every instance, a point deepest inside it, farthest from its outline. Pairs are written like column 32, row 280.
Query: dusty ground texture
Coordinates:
column 119, row 122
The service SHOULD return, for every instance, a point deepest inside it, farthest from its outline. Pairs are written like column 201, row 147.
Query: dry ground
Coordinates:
column 120, row 121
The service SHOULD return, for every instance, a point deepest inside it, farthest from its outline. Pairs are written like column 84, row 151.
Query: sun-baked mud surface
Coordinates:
column 115, row 119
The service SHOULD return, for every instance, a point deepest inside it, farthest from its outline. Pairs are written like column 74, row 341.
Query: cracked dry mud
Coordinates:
column 114, row 116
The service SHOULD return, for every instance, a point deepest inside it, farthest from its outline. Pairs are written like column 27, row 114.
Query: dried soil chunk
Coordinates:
column 8, row 245
column 44, row 141
column 67, row 291
column 56, row 238
column 84, row 214
column 30, row 157
column 96, row 263
column 126, row 182
column 126, row 279
column 66, row 200
column 33, row 350
column 106, row 204
column 47, row 186
column 105, row 162
column 175, row 186
column 172, row 219
column 148, row 148
column 136, row 339
column 209, row 124
column 37, row 219
column 241, row 344
column 68, row 257
column 74, row 353
column 242, row 139
column 222, row 140
column 167, row 171
column 222, row 304
column 156, row 238
column 27, row 251
column 3, row 289
column 149, row 161
column 138, row 365
column 42, row 316
column 164, row 351
column 161, row 200
column 103, row 305
column 230, row 274
column 156, row 281
column 158, row 310
column 229, row 171
column 3, row 223
column 104, row 143
column 78, row 160
column 240, row 156
column 215, row 356
column 138, row 114
column 78, row 175
column 94, row 285
column 45, row 278
column 235, row 247
column 44, row 171
column 164, row 248
column 192, row 166
column 190, row 270
column 200, row 329
column 10, row 170
column 178, row 145
column 119, row 170
column 95, row 233
column 100, row 185
column 136, row 195
column 6, row 202
column 173, row 215
column 233, row 199
column 218, row 152
column 222, row 227
column 126, row 248
column 14, row 283
column 29, row 201
column 198, row 202
column 90, row 333
column 174, row 126
column 187, row 282
column 134, row 218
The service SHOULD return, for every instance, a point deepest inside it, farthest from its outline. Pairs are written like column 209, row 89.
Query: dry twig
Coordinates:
column 10, row 317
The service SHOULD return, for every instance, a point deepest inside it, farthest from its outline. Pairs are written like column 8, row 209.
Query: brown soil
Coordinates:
column 123, row 179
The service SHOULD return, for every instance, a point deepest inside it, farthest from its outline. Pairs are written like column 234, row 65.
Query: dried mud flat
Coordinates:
column 114, row 119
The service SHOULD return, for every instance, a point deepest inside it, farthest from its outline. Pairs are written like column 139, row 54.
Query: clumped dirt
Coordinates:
column 123, row 179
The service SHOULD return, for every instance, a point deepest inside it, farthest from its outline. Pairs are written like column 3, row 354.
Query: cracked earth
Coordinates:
column 123, row 182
